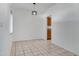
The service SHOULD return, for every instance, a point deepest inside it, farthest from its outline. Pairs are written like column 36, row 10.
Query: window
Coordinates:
column 11, row 23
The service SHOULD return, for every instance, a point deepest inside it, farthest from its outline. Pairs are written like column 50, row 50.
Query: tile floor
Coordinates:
column 38, row 48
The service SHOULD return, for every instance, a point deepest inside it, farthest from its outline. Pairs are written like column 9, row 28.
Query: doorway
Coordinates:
column 49, row 22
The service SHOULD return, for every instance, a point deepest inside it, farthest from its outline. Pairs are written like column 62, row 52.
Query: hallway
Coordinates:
column 38, row 48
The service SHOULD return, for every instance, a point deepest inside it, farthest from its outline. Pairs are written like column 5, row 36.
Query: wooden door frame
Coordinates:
column 49, row 22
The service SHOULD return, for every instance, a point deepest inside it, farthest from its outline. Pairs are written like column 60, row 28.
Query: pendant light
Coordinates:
column 34, row 12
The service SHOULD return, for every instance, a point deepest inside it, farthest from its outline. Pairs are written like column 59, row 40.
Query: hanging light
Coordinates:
column 34, row 12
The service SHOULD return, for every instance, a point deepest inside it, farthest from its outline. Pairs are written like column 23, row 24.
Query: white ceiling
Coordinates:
column 40, row 7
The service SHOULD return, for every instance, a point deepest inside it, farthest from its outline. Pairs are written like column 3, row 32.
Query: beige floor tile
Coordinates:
column 38, row 48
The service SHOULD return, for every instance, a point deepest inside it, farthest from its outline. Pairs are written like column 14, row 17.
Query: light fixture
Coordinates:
column 34, row 12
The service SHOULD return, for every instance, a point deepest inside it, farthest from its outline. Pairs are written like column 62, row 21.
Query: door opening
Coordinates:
column 49, row 22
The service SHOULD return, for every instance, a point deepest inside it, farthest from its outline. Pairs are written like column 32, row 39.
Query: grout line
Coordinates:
column 15, row 48
column 23, row 49
column 11, row 52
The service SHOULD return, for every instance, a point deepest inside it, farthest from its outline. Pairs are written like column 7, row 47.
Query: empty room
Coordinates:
column 39, row 29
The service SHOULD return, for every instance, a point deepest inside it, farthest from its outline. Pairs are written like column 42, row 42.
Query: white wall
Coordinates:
column 5, row 43
column 65, row 28
column 26, row 25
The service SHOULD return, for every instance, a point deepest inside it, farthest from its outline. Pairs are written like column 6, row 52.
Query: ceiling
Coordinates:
column 40, row 7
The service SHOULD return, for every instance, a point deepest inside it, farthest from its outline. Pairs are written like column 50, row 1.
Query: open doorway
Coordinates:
column 49, row 22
